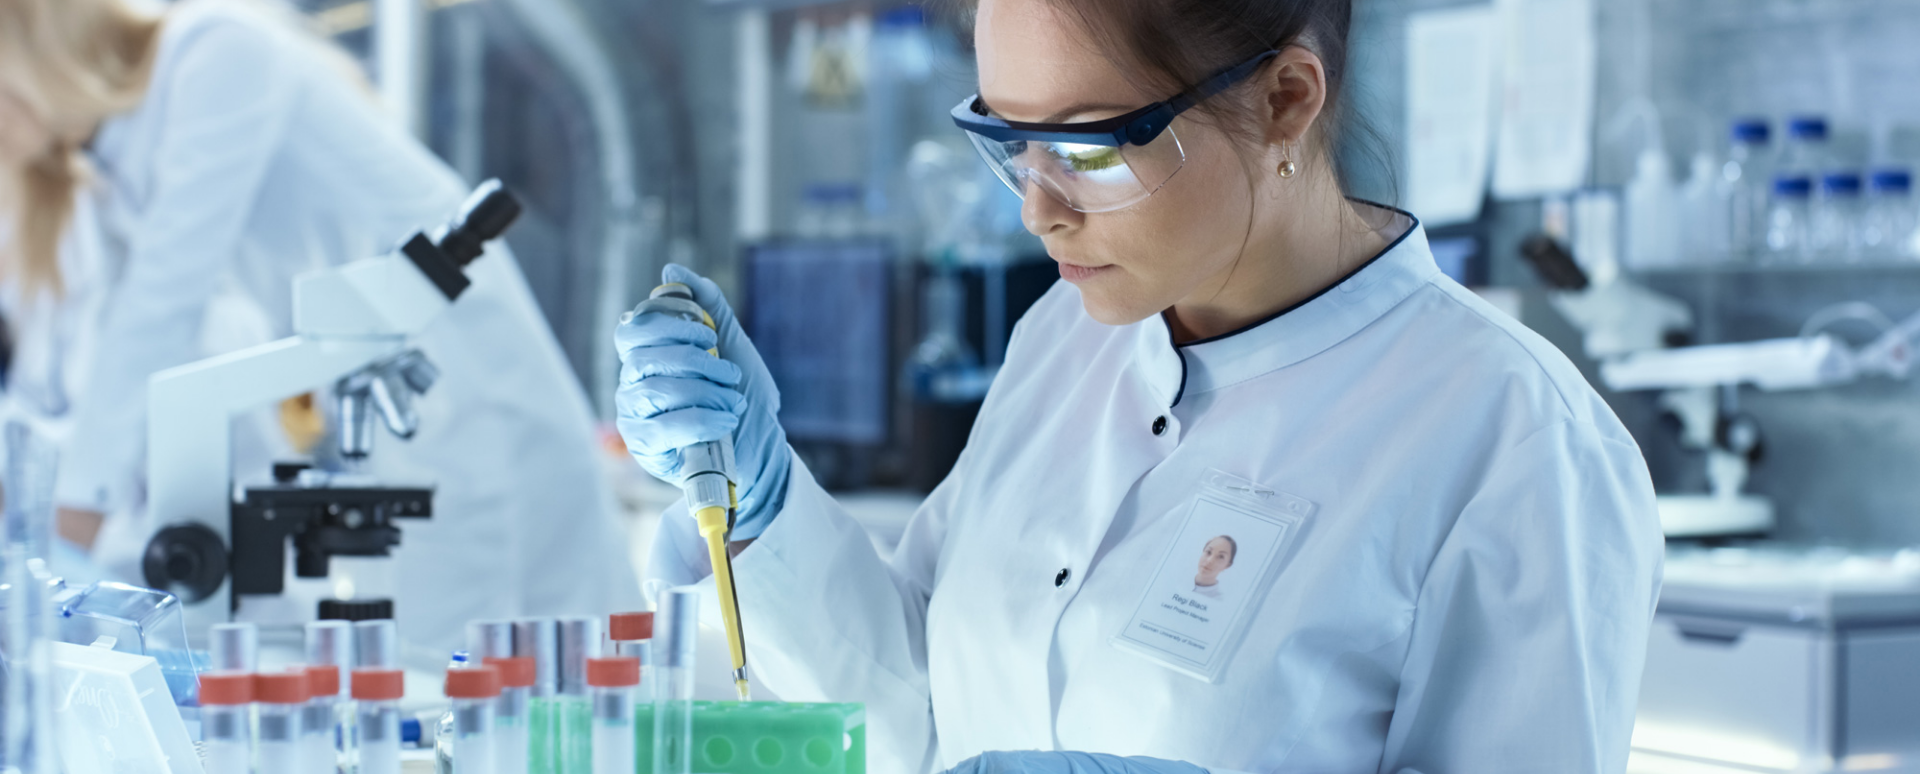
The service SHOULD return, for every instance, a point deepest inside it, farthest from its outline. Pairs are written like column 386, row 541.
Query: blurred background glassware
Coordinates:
column 26, row 709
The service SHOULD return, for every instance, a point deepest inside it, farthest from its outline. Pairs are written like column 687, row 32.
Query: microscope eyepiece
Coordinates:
column 485, row 215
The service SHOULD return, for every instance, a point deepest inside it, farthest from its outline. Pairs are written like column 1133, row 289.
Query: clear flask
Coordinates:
column 1787, row 213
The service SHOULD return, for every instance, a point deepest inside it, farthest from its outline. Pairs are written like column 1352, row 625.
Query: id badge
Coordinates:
column 1222, row 562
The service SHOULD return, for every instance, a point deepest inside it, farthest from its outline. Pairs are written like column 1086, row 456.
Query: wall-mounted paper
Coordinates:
column 1451, row 65
column 1546, row 96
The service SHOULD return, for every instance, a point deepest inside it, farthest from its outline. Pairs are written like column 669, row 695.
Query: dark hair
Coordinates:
column 1170, row 45
column 1231, row 544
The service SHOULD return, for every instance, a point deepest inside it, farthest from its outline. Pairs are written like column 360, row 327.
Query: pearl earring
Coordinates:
column 1287, row 168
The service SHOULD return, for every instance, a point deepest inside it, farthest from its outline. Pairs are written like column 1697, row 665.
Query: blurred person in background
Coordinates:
column 165, row 175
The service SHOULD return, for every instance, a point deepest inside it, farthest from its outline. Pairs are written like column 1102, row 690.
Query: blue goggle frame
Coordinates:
column 1139, row 127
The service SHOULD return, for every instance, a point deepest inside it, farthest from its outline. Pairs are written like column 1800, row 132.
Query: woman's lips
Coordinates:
column 1076, row 273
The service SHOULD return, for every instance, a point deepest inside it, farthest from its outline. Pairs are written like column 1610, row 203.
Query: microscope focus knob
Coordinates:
column 188, row 561
column 1740, row 434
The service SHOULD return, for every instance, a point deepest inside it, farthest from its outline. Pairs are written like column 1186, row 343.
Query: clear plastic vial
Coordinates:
column 280, row 699
column 512, row 714
column 320, row 724
column 443, row 730
column 679, row 619
column 1887, row 229
column 1743, row 188
column 613, row 683
column 1787, row 218
column 632, row 637
column 473, row 692
column 226, row 712
column 377, row 694
column 578, row 640
column 1836, row 217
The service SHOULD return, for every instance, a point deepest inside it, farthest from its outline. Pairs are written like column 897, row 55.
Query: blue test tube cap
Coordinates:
column 1841, row 183
column 1892, row 180
column 1793, row 186
column 1807, row 128
column 1751, row 131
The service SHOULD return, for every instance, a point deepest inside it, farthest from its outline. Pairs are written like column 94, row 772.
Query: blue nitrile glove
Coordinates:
column 1042, row 762
column 673, row 394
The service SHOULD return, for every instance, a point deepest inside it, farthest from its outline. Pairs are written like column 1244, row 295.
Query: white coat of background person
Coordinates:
column 234, row 151
column 1474, row 559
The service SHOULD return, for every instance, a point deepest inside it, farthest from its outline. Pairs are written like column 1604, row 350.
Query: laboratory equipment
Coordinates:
column 1788, row 240
column 615, row 684
column 330, row 643
column 511, row 714
column 539, row 639
column 473, row 692
column 1743, row 189
column 771, row 737
column 377, row 694
column 1781, row 658
column 280, row 699
column 578, row 639
column 376, row 644
column 490, row 639
column 115, row 714
column 350, row 322
column 679, row 618
column 26, row 632
column 1834, row 231
column 226, row 728
column 443, row 730
column 1653, row 212
column 1887, row 230
column 1806, row 153
column 710, row 485
column 137, row 621
column 631, row 634
column 234, row 647
column 320, row 721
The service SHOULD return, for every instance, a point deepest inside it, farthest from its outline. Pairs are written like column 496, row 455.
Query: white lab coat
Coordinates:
column 1473, row 593
column 254, row 159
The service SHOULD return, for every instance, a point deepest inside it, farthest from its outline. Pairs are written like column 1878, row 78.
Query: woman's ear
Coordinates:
column 1296, row 84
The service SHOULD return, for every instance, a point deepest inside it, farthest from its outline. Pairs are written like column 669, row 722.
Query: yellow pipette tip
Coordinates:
column 741, row 684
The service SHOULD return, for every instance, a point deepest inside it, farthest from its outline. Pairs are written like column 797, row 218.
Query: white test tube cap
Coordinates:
column 235, row 647
column 376, row 644
column 579, row 640
column 539, row 639
column 490, row 639
column 677, row 628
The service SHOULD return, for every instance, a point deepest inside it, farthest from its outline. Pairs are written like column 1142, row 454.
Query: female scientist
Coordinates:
column 171, row 175
column 1447, row 543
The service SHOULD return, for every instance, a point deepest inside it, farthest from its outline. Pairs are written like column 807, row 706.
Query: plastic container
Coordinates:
column 226, row 709
column 1744, row 179
column 376, row 695
column 539, row 639
column 673, row 693
column 1806, row 152
column 473, row 692
column 443, row 730
column 1887, row 229
column 512, row 715
column 613, row 683
column 376, row 644
column 1787, row 218
column 280, row 699
column 578, row 640
column 1836, row 215
column 323, row 721
column 732, row 737
column 632, row 636
column 234, row 647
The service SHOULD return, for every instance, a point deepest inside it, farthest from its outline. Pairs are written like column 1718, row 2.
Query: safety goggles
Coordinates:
column 1094, row 166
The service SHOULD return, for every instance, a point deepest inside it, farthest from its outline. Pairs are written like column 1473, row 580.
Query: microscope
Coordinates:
column 352, row 327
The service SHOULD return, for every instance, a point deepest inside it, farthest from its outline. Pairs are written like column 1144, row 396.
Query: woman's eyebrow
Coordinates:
column 1060, row 116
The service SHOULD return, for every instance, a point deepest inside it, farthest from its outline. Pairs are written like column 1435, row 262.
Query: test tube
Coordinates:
column 490, row 639
column 280, row 698
column 473, row 692
column 320, row 721
column 376, row 644
column 679, row 617
column 330, row 643
column 226, row 704
column 378, row 693
column 511, row 715
column 539, row 639
column 613, row 683
column 235, row 647
column 578, row 640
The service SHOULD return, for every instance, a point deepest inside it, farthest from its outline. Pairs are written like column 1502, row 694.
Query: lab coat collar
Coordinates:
column 1291, row 335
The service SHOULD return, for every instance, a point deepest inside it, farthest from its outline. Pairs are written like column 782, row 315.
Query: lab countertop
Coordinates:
column 1798, row 586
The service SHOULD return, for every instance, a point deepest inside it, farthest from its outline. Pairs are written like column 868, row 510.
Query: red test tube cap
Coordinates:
column 473, row 683
column 226, row 689
column 379, row 685
column 626, row 627
column 281, row 688
column 517, row 672
column 622, row 672
column 323, row 680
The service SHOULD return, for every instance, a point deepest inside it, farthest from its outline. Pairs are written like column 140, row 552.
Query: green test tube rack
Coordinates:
column 756, row 737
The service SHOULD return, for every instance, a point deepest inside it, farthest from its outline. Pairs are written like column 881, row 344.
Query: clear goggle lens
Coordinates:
column 1087, row 178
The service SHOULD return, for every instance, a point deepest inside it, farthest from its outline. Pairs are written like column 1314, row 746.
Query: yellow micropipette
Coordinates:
column 711, row 492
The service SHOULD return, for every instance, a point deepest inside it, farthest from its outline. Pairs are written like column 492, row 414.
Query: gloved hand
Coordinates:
column 1042, row 762
column 673, row 394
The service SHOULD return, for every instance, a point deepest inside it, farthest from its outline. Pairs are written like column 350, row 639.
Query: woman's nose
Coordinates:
column 1043, row 213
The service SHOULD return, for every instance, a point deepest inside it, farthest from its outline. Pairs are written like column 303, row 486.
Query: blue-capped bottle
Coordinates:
column 1787, row 214
column 1745, row 178
column 1888, row 227
column 1835, row 229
